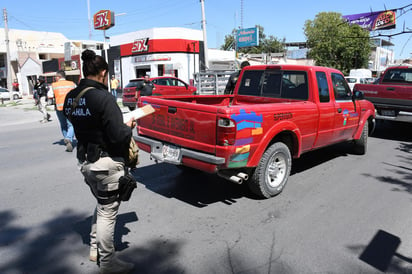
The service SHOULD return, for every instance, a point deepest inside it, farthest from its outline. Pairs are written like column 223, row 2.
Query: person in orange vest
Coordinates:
column 60, row 89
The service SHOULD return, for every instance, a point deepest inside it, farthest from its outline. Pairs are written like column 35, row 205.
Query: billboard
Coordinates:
column 371, row 21
column 247, row 37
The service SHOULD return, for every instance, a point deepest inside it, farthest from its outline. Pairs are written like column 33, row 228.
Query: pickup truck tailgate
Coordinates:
column 178, row 123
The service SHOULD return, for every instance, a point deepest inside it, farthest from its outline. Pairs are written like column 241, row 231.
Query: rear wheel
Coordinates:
column 272, row 173
column 361, row 145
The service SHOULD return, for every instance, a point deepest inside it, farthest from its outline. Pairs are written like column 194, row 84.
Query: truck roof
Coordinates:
column 291, row 67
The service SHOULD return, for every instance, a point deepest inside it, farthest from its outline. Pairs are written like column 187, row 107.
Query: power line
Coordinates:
column 407, row 41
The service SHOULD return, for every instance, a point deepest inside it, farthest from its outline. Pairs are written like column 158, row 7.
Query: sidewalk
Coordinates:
column 26, row 103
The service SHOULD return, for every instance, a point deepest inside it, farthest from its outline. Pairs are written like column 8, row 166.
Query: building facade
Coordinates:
column 35, row 53
column 157, row 52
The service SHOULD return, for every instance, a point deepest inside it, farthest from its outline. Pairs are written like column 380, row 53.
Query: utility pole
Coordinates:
column 8, row 61
column 90, row 22
column 241, row 14
column 202, row 2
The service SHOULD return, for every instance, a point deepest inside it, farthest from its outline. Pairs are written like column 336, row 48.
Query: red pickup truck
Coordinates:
column 392, row 95
column 276, row 112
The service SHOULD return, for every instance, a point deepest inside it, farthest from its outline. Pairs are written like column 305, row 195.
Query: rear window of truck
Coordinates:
column 134, row 84
column 398, row 75
column 275, row 84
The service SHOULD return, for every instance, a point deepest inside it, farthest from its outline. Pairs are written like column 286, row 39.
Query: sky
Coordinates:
column 282, row 19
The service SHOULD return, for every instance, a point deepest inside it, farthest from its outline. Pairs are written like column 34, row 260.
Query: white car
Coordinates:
column 5, row 94
column 352, row 80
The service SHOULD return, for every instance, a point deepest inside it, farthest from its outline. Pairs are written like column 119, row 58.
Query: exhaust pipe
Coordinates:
column 236, row 179
column 233, row 178
column 243, row 175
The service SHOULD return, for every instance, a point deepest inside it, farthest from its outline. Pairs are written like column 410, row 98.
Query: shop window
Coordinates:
column 2, row 60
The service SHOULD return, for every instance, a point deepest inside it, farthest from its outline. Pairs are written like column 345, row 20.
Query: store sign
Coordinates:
column 151, row 58
column 373, row 20
column 103, row 19
column 140, row 45
column 69, row 65
column 247, row 37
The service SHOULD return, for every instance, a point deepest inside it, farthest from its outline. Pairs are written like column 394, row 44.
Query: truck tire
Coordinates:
column 272, row 173
column 361, row 145
column 131, row 108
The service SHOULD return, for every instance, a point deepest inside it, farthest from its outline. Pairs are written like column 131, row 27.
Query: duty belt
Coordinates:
column 107, row 197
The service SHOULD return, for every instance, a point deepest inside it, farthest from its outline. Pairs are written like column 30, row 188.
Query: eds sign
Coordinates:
column 380, row 20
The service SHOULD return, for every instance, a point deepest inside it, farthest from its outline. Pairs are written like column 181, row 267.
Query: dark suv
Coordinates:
column 164, row 85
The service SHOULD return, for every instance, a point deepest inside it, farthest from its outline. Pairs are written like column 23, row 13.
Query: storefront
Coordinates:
column 157, row 52
column 70, row 67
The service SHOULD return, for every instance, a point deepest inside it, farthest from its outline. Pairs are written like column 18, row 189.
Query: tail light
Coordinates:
column 226, row 132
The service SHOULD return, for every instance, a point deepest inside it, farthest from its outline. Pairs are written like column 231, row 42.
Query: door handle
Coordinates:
column 172, row 110
column 390, row 88
column 339, row 110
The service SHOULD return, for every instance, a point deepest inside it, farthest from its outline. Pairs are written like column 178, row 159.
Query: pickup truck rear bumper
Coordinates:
column 158, row 154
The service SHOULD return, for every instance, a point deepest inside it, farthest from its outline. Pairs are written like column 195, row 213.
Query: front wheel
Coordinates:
column 272, row 173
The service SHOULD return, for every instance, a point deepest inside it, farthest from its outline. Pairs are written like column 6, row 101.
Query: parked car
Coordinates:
column 164, row 85
column 5, row 94
column 352, row 80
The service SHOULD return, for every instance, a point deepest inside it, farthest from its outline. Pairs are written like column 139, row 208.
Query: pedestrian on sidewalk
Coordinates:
column 60, row 89
column 114, row 84
column 15, row 85
column 103, row 145
column 40, row 98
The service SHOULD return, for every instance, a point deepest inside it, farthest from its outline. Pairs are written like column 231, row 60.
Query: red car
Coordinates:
column 164, row 85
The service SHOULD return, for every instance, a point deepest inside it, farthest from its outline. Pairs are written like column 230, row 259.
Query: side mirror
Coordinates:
column 358, row 95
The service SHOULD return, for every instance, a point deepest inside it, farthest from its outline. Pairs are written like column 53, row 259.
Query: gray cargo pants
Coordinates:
column 103, row 176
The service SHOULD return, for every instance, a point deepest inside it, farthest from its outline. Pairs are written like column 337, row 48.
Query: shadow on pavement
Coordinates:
column 380, row 253
column 314, row 158
column 83, row 229
column 193, row 187
column 49, row 249
column 391, row 130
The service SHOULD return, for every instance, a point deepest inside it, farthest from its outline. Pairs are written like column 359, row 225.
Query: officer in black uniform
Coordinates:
column 103, row 142
column 147, row 87
column 40, row 92
column 231, row 83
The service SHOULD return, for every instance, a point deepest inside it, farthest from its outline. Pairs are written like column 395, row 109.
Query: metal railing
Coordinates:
column 211, row 83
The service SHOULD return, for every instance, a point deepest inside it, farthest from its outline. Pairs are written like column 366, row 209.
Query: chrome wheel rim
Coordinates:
column 276, row 170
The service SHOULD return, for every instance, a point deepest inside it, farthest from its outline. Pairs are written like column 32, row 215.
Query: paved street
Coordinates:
column 339, row 213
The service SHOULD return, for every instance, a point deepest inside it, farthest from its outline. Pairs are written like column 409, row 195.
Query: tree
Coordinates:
column 266, row 45
column 229, row 42
column 332, row 42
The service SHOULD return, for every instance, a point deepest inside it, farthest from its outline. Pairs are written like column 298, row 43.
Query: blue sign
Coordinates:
column 247, row 37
